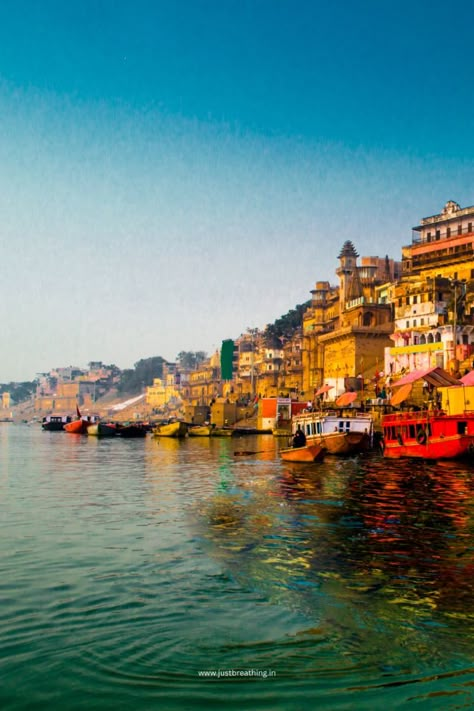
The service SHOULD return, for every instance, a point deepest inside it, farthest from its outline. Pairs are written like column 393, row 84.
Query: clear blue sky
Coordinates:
column 175, row 172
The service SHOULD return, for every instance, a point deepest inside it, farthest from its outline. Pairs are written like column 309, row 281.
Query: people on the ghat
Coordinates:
column 299, row 438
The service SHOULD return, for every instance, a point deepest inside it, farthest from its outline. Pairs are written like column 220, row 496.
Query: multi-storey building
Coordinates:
column 347, row 328
column 434, row 299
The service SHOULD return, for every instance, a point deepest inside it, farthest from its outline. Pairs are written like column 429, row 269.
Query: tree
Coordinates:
column 143, row 374
column 19, row 392
column 190, row 360
column 285, row 326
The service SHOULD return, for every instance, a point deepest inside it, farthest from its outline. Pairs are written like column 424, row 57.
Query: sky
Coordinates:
column 174, row 173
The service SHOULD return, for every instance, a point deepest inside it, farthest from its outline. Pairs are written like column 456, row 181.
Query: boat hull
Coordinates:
column 129, row 431
column 102, row 429
column 222, row 432
column 456, row 447
column 429, row 435
column 173, row 429
column 55, row 423
column 77, row 427
column 308, row 453
column 200, row 431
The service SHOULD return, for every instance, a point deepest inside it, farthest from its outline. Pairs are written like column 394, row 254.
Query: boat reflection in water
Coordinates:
column 362, row 546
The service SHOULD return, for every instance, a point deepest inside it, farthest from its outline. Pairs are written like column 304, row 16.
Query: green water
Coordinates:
column 157, row 574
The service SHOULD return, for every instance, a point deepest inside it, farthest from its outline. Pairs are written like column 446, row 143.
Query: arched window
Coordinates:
column 437, row 337
column 367, row 319
column 422, row 339
column 430, row 338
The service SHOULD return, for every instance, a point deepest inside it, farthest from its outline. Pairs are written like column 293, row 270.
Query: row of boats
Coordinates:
column 444, row 429
column 93, row 426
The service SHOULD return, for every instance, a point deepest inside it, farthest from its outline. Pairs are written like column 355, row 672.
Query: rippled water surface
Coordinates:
column 133, row 572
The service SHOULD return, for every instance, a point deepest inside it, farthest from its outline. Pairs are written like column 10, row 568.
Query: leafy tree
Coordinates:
column 19, row 392
column 285, row 326
column 145, row 370
column 190, row 360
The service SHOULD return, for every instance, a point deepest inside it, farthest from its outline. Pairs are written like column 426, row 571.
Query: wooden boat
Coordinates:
column 102, row 429
column 172, row 429
column 222, row 432
column 80, row 425
column 200, row 430
column 308, row 453
column 131, row 430
column 55, row 423
column 338, row 434
column 429, row 434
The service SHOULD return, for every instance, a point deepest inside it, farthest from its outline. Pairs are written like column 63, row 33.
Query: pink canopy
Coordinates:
column 468, row 379
column 434, row 376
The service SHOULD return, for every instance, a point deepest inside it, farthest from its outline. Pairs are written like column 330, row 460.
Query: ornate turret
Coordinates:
column 348, row 259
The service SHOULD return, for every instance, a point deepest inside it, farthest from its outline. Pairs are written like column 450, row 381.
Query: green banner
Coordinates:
column 227, row 359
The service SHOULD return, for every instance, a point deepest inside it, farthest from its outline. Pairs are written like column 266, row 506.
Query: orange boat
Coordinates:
column 80, row 425
column 308, row 453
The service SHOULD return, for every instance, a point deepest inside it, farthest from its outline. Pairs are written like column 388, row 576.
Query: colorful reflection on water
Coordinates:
column 127, row 568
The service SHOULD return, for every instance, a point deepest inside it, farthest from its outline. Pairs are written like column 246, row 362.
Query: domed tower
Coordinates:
column 348, row 265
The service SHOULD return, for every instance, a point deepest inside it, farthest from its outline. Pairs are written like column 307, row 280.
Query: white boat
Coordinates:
column 338, row 434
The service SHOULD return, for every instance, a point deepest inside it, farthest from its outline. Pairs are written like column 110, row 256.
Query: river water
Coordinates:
column 159, row 574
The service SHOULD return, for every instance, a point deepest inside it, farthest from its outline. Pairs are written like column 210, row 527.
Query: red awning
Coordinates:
column 434, row 376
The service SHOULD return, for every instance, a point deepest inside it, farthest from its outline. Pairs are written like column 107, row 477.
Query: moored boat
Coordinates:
column 172, row 429
column 222, row 432
column 441, row 430
column 200, row 430
column 55, row 423
column 338, row 434
column 308, row 453
column 131, row 430
column 81, row 425
column 102, row 429
column 429, row 434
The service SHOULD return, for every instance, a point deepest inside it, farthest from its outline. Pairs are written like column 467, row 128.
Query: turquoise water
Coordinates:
column 133, row 573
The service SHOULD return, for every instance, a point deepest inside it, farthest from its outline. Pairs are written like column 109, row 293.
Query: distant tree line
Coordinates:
column 19, row 392
column 133, row 380
column 285, row 326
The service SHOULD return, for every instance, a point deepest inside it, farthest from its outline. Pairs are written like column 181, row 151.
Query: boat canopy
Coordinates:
column 434, row 376
column 468, row 379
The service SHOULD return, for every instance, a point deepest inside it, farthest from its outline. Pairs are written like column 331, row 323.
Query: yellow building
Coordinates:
column 347, row 328
column 162, row 393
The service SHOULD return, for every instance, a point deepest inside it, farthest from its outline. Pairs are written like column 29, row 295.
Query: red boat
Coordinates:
column 428, row 434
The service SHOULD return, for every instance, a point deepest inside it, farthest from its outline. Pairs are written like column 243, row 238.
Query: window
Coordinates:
column 414, row 323
column 428, row 237
column 469, row 226
column 400, row 301
column 422, row 321
column 459, row 229
column 438, row 234
column 407, row 300
column 448, row 231
column 407, row 324
column 415, row 299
